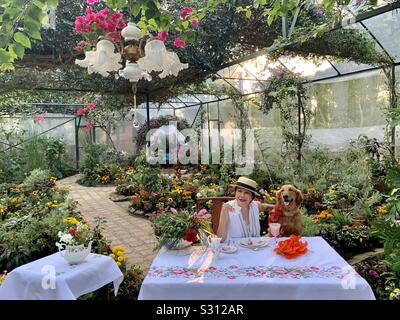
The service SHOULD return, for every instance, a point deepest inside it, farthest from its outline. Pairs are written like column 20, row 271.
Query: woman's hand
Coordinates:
column 226, row 208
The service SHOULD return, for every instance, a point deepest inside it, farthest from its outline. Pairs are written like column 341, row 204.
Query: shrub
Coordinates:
column 310, row 227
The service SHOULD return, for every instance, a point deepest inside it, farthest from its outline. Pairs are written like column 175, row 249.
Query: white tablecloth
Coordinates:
column 52, row 278
column 197, row 274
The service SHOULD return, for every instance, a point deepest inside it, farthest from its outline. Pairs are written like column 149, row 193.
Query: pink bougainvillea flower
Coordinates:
column 173, row 210
column 162, row 35
column 195, row 22
column 89, row 126
column 92, row 1
column 185, row 12
column 80, row 112
column 40, row 117
column 91, row 106
column 179, row 43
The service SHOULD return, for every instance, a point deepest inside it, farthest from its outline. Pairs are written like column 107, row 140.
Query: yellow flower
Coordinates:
column 330, row 190
column 383, row 209
column 120, row 253
column 70, row 220
column 112, row 255
column 311, row 190
column 170, row 200
column 126, row 257
column 118, row 264
column 120, row 259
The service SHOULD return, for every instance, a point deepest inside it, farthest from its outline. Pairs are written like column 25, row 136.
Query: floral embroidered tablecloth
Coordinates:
column 246, row 274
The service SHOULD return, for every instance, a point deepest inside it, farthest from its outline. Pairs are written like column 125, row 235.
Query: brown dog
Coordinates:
column 289, row 199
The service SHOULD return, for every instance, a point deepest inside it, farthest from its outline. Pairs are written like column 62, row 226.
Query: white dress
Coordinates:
column 237, row 227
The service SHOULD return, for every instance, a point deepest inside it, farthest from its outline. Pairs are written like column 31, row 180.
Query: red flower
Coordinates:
column 89, row 126
column 72, row 231
column 185, row 12
column 91, row 106
column 162, row 35
column 80, row 112
column 190, row 235
column 179, row 43
column 195, row 22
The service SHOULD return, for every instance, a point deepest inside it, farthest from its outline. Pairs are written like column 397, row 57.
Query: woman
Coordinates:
column 240, row 218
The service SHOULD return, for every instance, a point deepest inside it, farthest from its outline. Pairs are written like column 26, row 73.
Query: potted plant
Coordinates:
column 177, row 229
column 76, row 240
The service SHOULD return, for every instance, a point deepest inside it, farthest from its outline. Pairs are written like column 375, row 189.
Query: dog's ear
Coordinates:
column 278, row 196
column 299, row 197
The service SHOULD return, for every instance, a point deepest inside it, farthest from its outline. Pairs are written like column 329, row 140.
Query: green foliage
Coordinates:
column 34, row 214
column 20, row 22
column 47, row 153
column 310, row 227
column 390, row 234
column 130, row 287
column 101, row 165
column 37, row 178
column 170, row 227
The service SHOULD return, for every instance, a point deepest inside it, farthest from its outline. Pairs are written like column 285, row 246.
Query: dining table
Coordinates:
column 253, row 273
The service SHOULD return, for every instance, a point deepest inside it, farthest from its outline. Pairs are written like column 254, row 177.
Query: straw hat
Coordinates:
column 246, row 183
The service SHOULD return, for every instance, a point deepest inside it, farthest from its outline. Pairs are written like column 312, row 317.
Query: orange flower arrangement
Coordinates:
column 292, row 247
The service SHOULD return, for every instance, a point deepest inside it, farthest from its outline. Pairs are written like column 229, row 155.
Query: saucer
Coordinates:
column 228, row 249
column 253, row 243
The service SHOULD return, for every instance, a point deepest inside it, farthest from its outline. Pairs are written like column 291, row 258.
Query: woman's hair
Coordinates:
column 252, row 193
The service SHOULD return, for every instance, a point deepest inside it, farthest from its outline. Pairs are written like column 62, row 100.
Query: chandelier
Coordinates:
column 134, row 57
column 139, row 62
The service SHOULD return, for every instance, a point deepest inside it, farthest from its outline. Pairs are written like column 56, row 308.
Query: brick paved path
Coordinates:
column 131, row 232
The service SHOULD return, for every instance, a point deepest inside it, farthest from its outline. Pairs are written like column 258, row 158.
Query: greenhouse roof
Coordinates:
column 249, row 75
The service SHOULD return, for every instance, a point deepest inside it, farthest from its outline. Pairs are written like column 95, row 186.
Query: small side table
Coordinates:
column 52, row 278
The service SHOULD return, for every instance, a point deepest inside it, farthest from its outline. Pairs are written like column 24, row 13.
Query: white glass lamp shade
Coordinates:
column 131, row 32
column 172, row 65
column 132, row 72
column 103, row 60
column 154, row 56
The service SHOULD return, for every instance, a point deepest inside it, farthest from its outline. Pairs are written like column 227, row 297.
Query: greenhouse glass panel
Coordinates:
column 342, row 110
column 350, row 66
column 246, row 86
column 188, row 99
column 307, row 68
column 188, row 113
column 385, row 28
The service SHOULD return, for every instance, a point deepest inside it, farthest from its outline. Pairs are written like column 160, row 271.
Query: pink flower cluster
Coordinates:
column 179, row 43
column 90, row 107
column 102, row 20
column 185, row 12
column 40, row 117
column 92, row 1
column 204, row 214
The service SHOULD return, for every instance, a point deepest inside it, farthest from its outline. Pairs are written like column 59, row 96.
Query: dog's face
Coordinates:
column 289, row 197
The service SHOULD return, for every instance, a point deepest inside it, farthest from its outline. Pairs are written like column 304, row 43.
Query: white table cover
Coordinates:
column 71, row 281
column 321, row 274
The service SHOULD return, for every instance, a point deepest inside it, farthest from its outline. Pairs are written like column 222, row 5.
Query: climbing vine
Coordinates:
column 287, row 92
